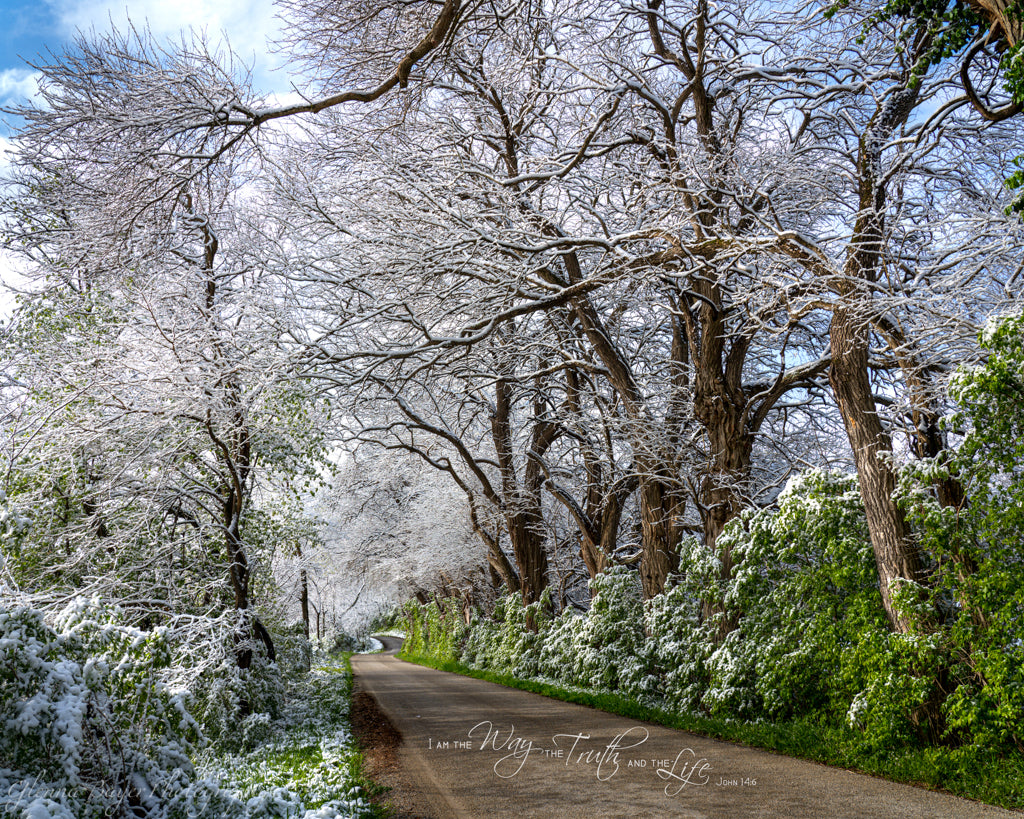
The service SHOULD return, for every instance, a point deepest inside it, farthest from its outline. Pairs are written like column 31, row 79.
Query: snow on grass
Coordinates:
column 308, row 764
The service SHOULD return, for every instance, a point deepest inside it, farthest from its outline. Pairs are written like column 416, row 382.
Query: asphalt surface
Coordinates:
column 474, row 749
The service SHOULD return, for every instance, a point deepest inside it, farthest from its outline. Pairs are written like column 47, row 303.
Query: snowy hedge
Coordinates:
column 92, row 727
column 804, row 600
column 89, row 729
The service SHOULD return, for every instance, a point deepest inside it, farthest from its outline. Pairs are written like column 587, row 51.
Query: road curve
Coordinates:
column 472, row 749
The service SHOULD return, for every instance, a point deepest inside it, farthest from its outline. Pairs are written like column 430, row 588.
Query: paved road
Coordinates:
column 474, row 749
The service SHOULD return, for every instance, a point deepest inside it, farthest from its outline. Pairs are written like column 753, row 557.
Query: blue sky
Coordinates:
column 29, row 28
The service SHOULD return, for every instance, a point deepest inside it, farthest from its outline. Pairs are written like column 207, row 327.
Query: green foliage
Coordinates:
column 510, row 640
column 805, row 595
column 294, row 651
column 387, row 620
column 605, row 649
column 436, row 628
column 947, row 28
column 978, row 549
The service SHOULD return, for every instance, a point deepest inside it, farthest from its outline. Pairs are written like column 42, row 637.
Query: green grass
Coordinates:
column 996, row 779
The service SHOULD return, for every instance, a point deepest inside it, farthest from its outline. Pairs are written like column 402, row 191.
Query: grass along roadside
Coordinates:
column 991, row 778
column 306, row 763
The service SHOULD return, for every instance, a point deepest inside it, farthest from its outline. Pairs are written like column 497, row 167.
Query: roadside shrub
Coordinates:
column 435, row 629
column 511, row 639
column 681, row 637
column 680, row 646
column 89, row 729
column 608, row 648
column 558, row 658
column 977, row 547
column 294, row 651
column 805, row 594
column 231, row 704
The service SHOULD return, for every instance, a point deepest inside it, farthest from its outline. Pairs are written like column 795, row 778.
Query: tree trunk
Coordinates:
column 304, row 600
column 496, row 560
column 722, row 412
column 522, row 512
column 598, row 542
column 659, row 556
column 525, row 533
column 896, row 555
column 303, row 592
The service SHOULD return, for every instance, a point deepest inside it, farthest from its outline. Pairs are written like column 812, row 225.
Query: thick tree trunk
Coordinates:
column 659, row 556
column 896, row 555
column 723, row 414
column 525, row 533
column 522, row 511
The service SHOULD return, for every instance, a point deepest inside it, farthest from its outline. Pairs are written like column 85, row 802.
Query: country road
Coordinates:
column 474, row 749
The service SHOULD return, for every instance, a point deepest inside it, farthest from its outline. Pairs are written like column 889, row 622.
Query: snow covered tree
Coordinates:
column 154, row 407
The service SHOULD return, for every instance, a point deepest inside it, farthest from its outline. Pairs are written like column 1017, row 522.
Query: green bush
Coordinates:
column 978, row 547
column 805, row 594
column 435, row 629
column 510, row 640
column 231, row 704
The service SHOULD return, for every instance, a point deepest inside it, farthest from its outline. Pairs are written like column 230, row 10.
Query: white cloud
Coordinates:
column 11, row 268
column 17, row 85
column 248, row 25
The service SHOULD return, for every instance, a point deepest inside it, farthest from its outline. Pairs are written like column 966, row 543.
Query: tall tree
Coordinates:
column 156, row 406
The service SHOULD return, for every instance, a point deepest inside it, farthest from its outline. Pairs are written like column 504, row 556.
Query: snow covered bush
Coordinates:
column 511, row 639
column 805, row 594
column 680, row 636
column 307, row 765
column 435, row 629
column 88, row 727
column 91, row 730
column 232, row 704
column 808, row 636
column 605, row 648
